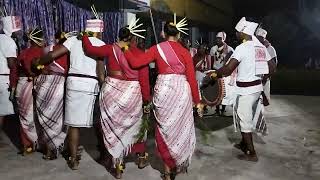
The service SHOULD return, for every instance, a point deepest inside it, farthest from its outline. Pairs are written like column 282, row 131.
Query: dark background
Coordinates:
column 293, row 29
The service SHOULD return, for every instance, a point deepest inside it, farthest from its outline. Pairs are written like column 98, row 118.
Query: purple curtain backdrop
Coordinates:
column 55, row 15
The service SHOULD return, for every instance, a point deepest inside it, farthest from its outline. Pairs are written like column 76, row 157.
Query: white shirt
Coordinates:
column 79, row 62
column 214, row 53
column 245, row 54
column 8, row 48
column 272, row 52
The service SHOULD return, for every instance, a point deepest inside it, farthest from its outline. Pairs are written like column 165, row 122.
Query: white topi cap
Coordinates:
column 246, row 27
column 11, row 24
column 222, row 35
column 95, row 25
column 261, row 32
column 241, row 24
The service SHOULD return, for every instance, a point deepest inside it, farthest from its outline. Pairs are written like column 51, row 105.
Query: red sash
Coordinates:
column 170, row 57
column 125, row 67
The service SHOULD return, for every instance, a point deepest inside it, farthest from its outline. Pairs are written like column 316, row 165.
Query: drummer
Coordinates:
column 220, row 54
column 201, row 62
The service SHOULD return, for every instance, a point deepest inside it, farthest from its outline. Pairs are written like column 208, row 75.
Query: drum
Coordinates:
column 212, row 91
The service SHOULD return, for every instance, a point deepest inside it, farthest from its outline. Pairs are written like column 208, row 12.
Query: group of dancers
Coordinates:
column 57, row 89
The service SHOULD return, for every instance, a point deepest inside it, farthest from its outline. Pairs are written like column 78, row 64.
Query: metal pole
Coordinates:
column 153, row 27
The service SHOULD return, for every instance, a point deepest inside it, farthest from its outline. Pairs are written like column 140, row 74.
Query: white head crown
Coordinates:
column 35, row 39
column 181, row 25
column 133, row 28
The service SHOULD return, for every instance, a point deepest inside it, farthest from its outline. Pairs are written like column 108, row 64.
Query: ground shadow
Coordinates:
column 213, row 123
column 11, row 127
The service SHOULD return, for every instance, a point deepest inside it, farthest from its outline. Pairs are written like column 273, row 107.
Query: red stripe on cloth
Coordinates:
column 24, row 138
column 139, row 148
column 164, row 150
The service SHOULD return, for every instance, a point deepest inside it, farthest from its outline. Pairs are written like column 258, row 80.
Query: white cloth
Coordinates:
column 80, row 92
column 243, row 111
column 79, row 62
column 272, row 52
column 230, row 95
column 80, row 99
column 6, row 107
column 8, row 48
column 199, row 77
column 261, row 32
column 241, row 24
column 11, row 24
column 250, row 28
column 95, row 25
column 246, row 27
column 152, row 65
column 245, row 54
column 266, row 90
column 219, row 58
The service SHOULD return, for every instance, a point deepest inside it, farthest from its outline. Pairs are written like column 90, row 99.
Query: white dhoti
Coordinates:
column 244, row 111
column 266, row 90
column 6, row 106
column 81, row 94
column 230, row 95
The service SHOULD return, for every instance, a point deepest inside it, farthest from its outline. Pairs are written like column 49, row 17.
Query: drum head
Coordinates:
column 212, row 91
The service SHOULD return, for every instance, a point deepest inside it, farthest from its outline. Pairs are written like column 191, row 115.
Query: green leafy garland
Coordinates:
column 145, row 125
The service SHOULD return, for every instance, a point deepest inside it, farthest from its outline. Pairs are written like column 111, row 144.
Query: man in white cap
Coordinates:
column 82, row 85
column 252, row 61
column 8, row 68
column 220, row 54
column 262, row 35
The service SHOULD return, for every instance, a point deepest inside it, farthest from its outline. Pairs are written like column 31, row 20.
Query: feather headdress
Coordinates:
column 181, row 25
column 35, row 39
column 133, row 28
column 95, row 13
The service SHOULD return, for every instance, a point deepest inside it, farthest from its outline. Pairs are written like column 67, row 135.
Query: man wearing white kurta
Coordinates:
column 220, row 54
column 82, row 85
column 251, row 60
column 8, row 60
column 262, row 35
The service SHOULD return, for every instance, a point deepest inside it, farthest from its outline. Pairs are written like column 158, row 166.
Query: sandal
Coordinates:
column 249, row 156
column 165, row 176
column 143, row 161
column 27, row 151
column 73, row 163
column 241, row 146
column 48, row 157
